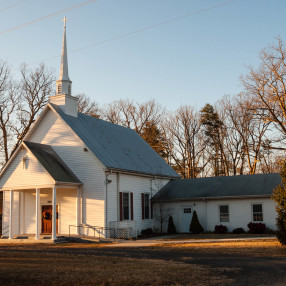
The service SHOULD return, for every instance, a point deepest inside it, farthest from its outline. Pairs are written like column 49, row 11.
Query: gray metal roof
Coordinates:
column 218, row 187
column 53, row 164
column 117, row 147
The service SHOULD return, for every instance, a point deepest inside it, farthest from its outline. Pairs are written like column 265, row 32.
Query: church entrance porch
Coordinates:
column 32, row 212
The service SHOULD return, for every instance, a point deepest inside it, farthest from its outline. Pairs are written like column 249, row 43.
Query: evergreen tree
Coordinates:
column 171, row 226
column 214, row 131
column 195, row 226
column 152, row 134
column 279, row 197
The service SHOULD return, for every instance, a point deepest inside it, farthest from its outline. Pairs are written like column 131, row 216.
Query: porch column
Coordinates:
column 11, row 215
column 54, row 222
column 78, row 210
column 37, row 236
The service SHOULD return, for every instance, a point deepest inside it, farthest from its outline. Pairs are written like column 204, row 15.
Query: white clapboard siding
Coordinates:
column 52, row 130
column 30, row 173
column 139, row 185
column 240, row 213
column 176, row 211
column 112, row 198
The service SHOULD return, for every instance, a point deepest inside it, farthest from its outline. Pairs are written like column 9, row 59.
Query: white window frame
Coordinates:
column 252, row 212
column 219, row 213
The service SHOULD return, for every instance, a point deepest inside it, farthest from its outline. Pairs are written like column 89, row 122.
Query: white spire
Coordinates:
column 64, row 73
column 63, row 97
column 64, row 82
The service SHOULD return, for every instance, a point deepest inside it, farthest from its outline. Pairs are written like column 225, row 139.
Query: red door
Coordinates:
column 47, row 212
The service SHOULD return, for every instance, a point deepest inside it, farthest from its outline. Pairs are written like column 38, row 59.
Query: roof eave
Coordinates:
column 144, row 174
column 211, row 198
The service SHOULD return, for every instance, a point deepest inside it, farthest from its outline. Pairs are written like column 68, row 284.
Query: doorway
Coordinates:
column 186, row 219
column 47, row 213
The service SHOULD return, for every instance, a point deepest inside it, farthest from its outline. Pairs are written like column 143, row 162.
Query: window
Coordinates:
column 69, row 90
column 125, row 206
column 257, row 212
column 146, row 206
column 59, row 89
column 187, row 210
column 145, row 200
column 223, row 213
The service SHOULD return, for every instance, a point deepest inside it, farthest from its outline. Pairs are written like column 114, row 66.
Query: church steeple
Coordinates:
column 64, row 82
column 63, row 97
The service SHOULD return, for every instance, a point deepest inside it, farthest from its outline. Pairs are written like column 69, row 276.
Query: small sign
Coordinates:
column 49, row 202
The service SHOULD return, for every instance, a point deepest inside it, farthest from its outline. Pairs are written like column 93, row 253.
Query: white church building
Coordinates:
column 76, row 170
column 76, row 173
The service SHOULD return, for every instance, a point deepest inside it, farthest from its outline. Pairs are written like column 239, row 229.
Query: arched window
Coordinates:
column 59, row 89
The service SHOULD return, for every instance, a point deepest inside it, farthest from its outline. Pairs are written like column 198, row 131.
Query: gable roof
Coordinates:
column 117, row 147
column 219, row 187
column 53, row 164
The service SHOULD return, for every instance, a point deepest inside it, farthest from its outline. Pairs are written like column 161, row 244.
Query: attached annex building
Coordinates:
column 230, row 201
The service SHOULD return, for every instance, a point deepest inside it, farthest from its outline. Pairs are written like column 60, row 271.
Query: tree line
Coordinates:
column 241, row 134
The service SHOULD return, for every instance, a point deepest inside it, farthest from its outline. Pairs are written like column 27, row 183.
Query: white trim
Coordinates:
column 223, row 205
column 252, row 218
column 37, row 235
column 54, row 214
column 11, row 215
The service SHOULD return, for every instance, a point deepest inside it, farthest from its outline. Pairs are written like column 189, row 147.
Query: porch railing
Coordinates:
column 98, row 231
column 5, row 230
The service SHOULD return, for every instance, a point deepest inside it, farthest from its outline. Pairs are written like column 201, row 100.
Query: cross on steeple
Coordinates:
column 65, row 20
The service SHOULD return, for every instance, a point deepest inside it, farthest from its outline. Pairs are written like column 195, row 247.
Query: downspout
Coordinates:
column 107, row 181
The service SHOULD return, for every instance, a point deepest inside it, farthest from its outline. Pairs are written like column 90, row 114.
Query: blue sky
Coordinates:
column 194, row 60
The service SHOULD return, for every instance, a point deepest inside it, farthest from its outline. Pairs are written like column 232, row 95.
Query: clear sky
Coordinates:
column 194, row 60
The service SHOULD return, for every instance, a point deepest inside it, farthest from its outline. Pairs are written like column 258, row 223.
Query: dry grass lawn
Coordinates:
column 93, row 264
column 265, row 247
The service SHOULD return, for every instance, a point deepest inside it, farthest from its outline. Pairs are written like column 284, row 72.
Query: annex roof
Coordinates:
column 53, row 164
column 117, row 147
column 219, row 187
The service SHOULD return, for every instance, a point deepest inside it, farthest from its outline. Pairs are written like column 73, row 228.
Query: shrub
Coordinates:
column 171, row 226
column 195, row 226
column 147, row 231
column 238, row 230
column 256, row 227
column 279, row 197
column 220, row 229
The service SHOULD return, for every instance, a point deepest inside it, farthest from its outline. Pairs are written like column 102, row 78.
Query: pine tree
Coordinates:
column 195, row 226
column 171, row 226
column 279, row 196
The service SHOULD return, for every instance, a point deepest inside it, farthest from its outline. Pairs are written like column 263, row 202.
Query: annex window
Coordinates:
column 126, row 206
column 223, row 213
column 257, row 212
column 187, row 210
column 145, row 199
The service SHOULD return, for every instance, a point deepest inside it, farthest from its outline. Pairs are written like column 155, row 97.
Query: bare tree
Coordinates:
column 162, row 216
column 133, row 115
column 267, row 86
column 186, row 147
column 35, row 88
column 248, row 133
column 86, row 106
column 8, row 102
